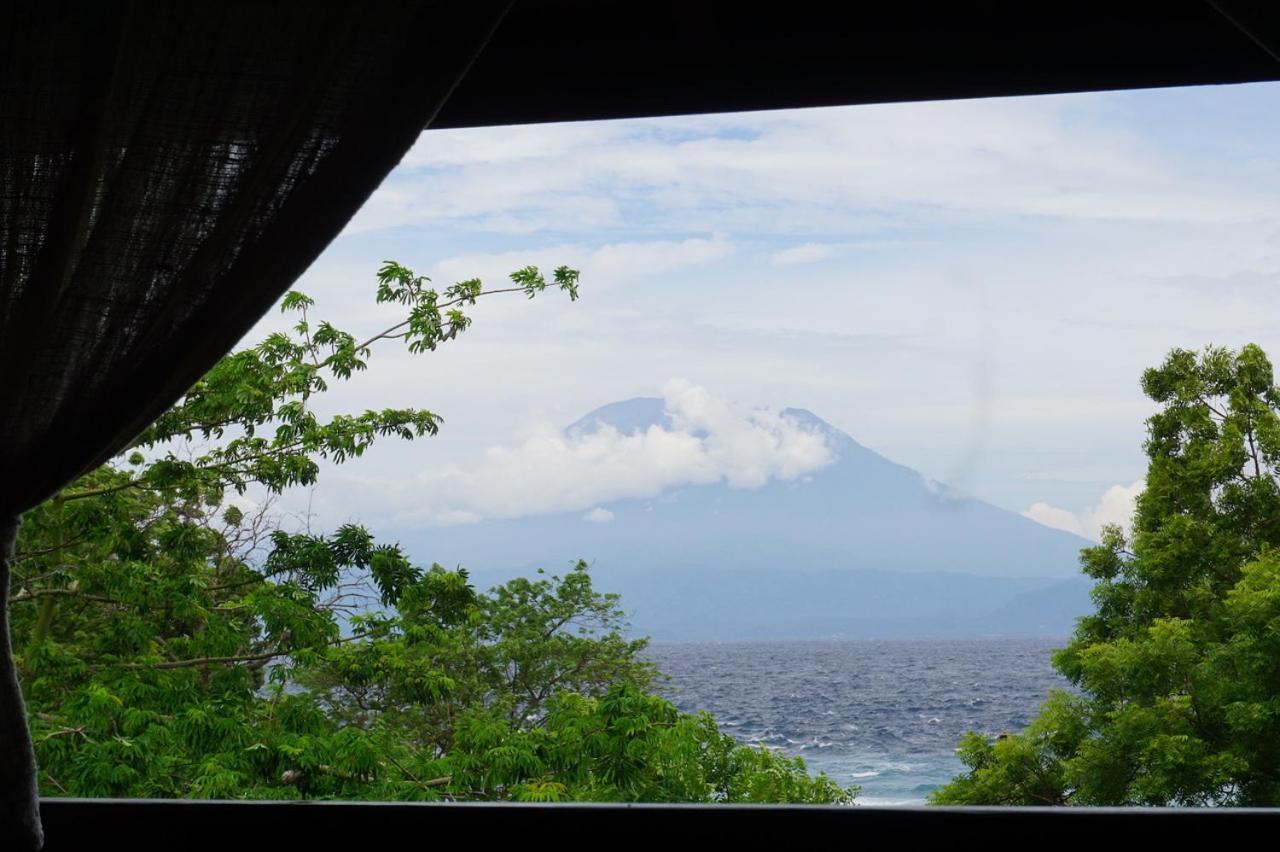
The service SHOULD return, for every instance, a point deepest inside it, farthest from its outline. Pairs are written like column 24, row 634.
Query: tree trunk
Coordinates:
column 19, row 805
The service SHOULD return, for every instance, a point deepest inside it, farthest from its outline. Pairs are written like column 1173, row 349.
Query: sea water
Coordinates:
column 882, row 714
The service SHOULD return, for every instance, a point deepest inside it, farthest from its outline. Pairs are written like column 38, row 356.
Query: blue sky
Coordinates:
column 969, row 288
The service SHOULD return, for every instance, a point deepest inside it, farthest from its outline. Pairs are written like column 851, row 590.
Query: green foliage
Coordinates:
column 172, row 644
column 1179, row 668
column 626, row 746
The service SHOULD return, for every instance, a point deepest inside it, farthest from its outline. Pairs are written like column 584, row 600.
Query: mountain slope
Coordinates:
column 862, row 546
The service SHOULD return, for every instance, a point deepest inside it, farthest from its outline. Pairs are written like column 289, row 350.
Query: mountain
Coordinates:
column 861, row 547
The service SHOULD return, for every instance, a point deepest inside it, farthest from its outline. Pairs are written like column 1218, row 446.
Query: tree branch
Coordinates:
column 96, row 492
column 68, row 593
column 45, row 551
column 221, row 661
column 440, row 306
column 426, row 785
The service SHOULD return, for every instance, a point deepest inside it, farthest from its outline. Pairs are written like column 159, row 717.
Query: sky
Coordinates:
column 970, row 288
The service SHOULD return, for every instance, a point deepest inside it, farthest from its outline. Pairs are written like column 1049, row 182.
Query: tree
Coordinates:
column 1178, row 670
column 175, row 644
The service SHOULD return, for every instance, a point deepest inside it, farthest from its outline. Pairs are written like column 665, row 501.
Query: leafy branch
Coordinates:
column 272, row 384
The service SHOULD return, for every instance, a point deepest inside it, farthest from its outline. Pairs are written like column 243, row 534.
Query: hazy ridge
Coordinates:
column 863, row 547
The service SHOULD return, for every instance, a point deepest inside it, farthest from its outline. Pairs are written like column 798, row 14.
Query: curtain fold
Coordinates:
column 167, row 170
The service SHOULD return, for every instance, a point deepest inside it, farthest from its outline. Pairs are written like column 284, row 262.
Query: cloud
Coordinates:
column 617, row 260
column 1052, row 516
column 709, row 441
column 1031, row 257
column 601, row 265
column 804, row 170
column 457, row 517
column 1115, row 507
column 807, row 253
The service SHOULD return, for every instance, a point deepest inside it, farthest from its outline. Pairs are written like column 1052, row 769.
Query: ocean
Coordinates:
column 883, row 714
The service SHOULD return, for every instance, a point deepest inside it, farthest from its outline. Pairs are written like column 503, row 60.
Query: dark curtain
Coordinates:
column 167, row 170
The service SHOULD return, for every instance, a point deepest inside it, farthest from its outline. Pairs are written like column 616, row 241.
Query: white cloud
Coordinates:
column 807, row 253
column 629, row 260
column 1031, row 257
column 1115, row 507
column 783, row 172
column 456, row 517
column 549, row 471
column 1052, row 516
column 600, row 265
